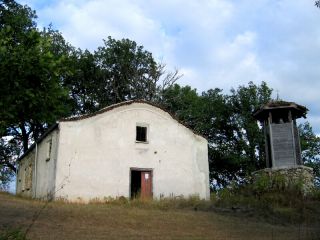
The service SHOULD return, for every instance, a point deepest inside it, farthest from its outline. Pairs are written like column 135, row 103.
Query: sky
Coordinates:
column 213, row 43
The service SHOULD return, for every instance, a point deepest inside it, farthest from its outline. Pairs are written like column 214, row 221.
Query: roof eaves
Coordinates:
column 280, row 105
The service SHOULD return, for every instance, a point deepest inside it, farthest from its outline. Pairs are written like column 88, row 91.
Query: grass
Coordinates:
column 165, row 219
column 275, row 205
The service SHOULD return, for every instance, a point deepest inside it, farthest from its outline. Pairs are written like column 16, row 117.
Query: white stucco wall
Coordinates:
column 38, row 167
column 95, row 155
column 24, row 179
column 44, row 176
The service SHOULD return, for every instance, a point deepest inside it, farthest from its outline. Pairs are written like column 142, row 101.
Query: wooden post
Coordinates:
column 289, row 116
column 293, row 138
column 266, row 149
column 299, row 158
column 271, row 139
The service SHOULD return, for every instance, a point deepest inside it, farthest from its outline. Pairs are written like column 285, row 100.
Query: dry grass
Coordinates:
column 134, row 221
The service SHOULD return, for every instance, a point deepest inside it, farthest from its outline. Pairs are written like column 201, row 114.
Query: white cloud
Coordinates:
column 88, row 23
column 239, row 46
column 215, row 43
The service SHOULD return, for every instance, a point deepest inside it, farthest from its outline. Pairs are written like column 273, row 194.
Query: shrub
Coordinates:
column 12, row 234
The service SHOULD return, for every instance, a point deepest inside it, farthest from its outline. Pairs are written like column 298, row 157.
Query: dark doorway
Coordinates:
column 135, row 184
column 141, row 184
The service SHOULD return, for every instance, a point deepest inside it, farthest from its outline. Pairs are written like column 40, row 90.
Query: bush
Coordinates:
column 12, row 234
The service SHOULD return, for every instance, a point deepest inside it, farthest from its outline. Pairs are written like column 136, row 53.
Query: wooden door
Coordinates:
column 146, row 184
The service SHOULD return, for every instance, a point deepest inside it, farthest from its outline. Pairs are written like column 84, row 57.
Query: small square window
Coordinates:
column 141, row 134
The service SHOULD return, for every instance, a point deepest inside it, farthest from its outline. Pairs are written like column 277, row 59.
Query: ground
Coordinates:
column 134, row 221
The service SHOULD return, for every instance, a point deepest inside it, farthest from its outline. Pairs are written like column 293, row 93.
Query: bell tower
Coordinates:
column 282, row 144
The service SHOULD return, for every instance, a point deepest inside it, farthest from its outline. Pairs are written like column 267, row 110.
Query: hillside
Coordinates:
column 138, row 220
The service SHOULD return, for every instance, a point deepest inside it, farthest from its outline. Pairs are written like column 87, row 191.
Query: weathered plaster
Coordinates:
column 94, row 156
column 41, row 169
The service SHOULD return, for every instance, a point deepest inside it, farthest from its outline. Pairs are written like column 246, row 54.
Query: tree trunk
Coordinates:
column 24, row 137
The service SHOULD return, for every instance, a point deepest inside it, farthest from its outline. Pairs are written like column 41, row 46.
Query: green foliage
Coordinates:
column 43, row 78
column 119, row 71
column 84, row 83
column 310, row 143
column 184, row 102
column 12, row 234
column 315, row 194
column 131, row 71
column 31, row 93
column 310, row 149
column 278, row 182
column 262, row 184
column 32, row 66
column 8, row 151
column 236, row 145
column 244, row 101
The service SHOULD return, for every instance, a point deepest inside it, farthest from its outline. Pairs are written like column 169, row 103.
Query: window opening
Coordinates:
column 280, row 117
column 49, row 150
column 141, row 134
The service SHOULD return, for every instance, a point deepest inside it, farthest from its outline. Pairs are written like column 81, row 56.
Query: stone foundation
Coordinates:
column 299, row 178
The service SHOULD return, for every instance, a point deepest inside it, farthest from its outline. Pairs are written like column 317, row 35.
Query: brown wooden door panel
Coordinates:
column 146, row 184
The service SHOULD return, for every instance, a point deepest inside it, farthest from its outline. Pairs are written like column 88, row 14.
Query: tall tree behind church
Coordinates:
column 120, row 70
column 31, row 91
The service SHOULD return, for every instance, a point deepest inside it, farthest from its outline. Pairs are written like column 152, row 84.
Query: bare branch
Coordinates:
column 167, row 78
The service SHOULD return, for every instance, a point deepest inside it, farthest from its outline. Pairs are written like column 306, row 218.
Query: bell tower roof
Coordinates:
column 297, row 110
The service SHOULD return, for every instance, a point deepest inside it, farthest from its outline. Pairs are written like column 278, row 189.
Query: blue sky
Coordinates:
column 214, row 43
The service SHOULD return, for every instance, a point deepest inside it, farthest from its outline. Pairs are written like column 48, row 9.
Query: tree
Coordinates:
column 209, row 115
column 249, row 136
column 15, row 20
column 9, row 150
column 85, row 84
column 310, row 149
column 184, row 102
column 130, row 72
column 217, row 126
column 30, row 79
column 317, row 3
column 119, row 71
column 43, row 78
column 235, row 141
